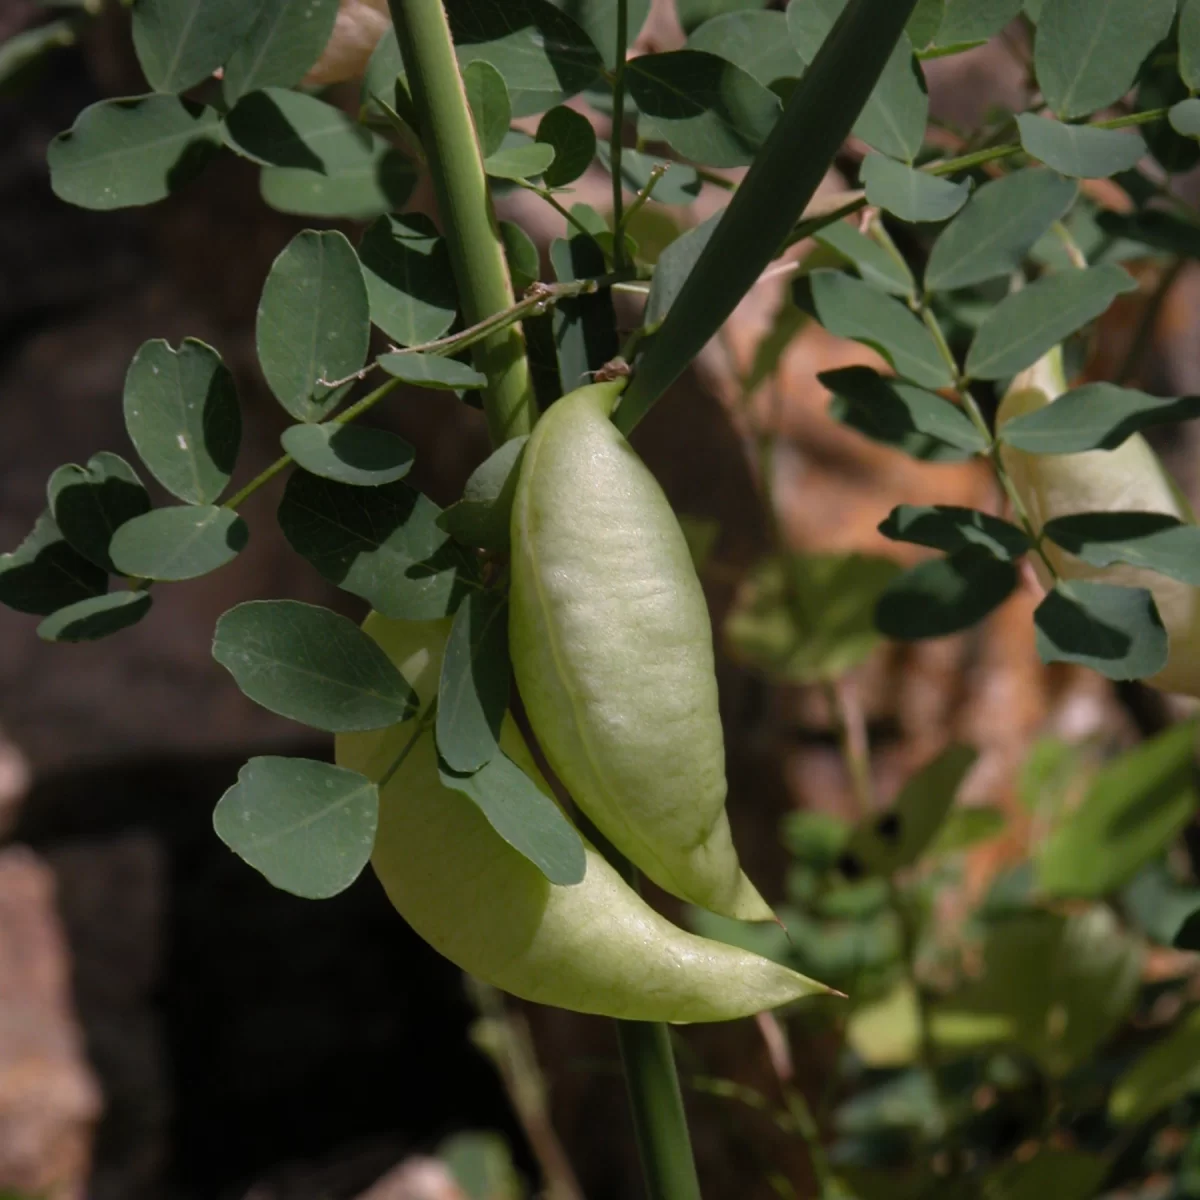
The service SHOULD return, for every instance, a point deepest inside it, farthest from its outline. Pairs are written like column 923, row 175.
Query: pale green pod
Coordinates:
column 612, row 650
column 596, row 947
column 1128, row 479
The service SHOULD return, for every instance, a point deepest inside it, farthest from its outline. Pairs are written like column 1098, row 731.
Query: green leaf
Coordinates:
column 380, row 181
column 482, row 517
column 180, row 43
column 1163, row 1075
column 311, row 665
column 409, row 282
column 674, row 266
column 1189, row 42
column 815, row 623
column 519, row 162
column 965, row 828
column 1114, row 630
column 383, row 80
column 524, row 816
column 45, row 573
column 706, row 109
column 997, row 228
column 680, row 184
column 181, row 410
column 309, row 827
column 758, row 42
column 1087, row 52
column 1029, row 323
column 96, row 617
column 909, row 194
column 944, row 527
column 284, row 42
column 901, row 415
column 524, row 262
column 975, row 20
column 894, row 117
column 1159, row 86
column 888, row 842
column 1135, row 807
column 1097, row 416
column 850, row 308
column 598, row 19
column 124, row 153
column 694, row 13
column 481, row 1165
column 945, row 595
column 585, row 328
column 487, row 96
column 544, row 56
column 473, row 690
column 924, row 23
column 91, row 503
column 1062, row 1174
column 1185, row 117
column 871, row 260
column 1141, row 539
column 432, row 371
column 1080, row 151
column 177, row 543
column 573, row 140
column 313, row 322
column 381, row 543
column 349, row 453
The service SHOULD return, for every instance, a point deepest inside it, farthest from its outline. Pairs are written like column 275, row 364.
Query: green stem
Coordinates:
column 468, row 222
column 616, row 136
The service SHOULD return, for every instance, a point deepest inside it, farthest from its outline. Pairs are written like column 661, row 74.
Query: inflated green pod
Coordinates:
column 612, row 650
column 1128, row 479
column 596, row 947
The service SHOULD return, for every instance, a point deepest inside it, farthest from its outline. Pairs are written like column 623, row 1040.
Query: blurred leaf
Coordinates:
column 850, row 308
column 975, row 20
column 91, row 503
column 894, row 117
column 704, row 107
column 1161, row 230
column 22, row 54
column 435, row 371
column 945, row 527
column 876, row 266
column 680, row 185
column 674, row 266
column 889, row 841
column 815, row 622
column 45, row 573
column 1134, row 808
column 349, row 453
column 573, row 140
column 285, row 40
column 181, row 410
column 180, row 43
column 785, row 325
column 1189, row 42
column 1165, row 1073
column 1154, row 902
column 384, row 74
column 966, row 828
column 585, row 328
column 181, row 542
column 1188, row 937
column 309, row 827
column 1028, row 323
column 519, row 162
column 487, row 95
column 909, row 194
column 945, row 595
column 814, row 838
column 925, row 21
column 756, row 41
column 481, row 1166
column 905, row 1101
column 473, row 691
column 1141, row 539
column 920, row 423
column 1047, row 774
column 381, row 543
column 1087, row 52
column 313, row 322
column 544, row 56
column 598, row 19
column 482, row 516
column 1185, row 117
column 1055, row 986
column 96, row 617
column 1061, row 1174
column 311, row 665
column 1080, row 151
column 1114, row 630
column 997, row 228
column 1159, row 86
column 125, row 153
column 1097, row 416
column 694, row 13
column 524, row 262
column 524, row 816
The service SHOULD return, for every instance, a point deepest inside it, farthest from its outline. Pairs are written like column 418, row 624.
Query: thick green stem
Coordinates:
column 469, row 224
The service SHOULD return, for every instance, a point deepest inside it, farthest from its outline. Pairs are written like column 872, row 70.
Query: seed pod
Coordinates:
column 596, row 947
column 612, row 650
column 1129, row 478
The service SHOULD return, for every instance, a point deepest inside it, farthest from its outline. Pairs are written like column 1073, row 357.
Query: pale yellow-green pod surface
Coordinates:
column 1128, row 479
column 596, row 947
column 612, row 650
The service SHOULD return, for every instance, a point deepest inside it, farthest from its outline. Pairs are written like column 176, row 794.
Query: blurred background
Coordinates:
column 173, row 1027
